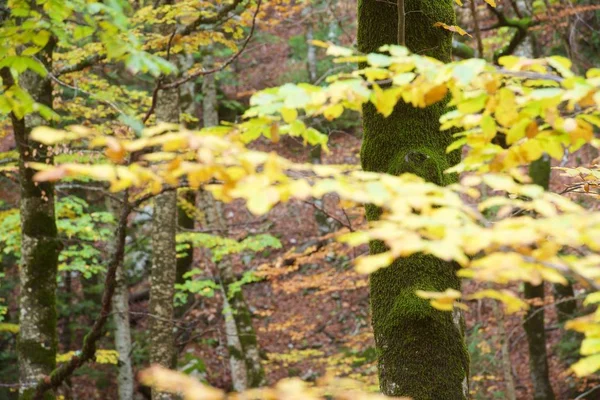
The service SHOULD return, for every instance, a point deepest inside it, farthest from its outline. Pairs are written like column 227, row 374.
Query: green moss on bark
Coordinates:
column 422, row 353
column 39, row 353
column 40, row 223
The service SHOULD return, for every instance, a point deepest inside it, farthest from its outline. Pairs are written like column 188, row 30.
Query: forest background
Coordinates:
column 129, row 238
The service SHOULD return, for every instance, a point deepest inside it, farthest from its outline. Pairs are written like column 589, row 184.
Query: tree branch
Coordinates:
column 88, row 62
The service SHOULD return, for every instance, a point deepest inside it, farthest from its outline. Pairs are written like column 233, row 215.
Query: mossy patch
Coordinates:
column 422, row 353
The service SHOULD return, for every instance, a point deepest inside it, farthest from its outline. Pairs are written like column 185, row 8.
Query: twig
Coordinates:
column 344, row 224
column 584, row 394
column 542, row 308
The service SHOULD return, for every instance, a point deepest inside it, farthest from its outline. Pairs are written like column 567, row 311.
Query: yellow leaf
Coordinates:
column 372, row 263
column 175, row 382
column 385, row 100
column 334, row 111
column 435, row 94
column 452, row 28
column 50, row 136
column 587, row 365
column 512, row 302
column 444, row 301
column 7, row 327
column 289, row 114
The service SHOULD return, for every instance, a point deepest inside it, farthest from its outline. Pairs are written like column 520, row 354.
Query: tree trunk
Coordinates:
column 566, row 304
column 40, row 246
column 534, row 318
column 246, row 369
column 164, row 254
column 237, row 364
column 422, row 353
column 509, row 382
column 187, row 91
column 311, row 52
column 120, row 307
column 210, row 105
column 120, row 304
column 164, row 258
column 244, row 357
column 162, row 281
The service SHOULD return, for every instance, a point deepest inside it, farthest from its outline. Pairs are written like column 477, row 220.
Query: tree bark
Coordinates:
column 566, row 304
column 244, row 359
column 534, row 318
column 187, row 93
column 40, row 246
column 422, row 353
column 164, row 254
column 509, row 382
column 120, row 307
column 311, row 52
column 164, row 258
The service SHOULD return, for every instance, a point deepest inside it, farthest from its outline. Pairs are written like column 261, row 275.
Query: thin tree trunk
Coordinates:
column 164, row 254
column 566, row 304
column 475, row 16
column 120, row 304
column 37, row 342
column 188, row 106
column 184, row 263
column 506, row 363
column 422, row 352
column 534, row 318
column 527, row 47
column 210, row 105
column 120, row 307
column 244, row 358
column 237, row 363
column 164, row 259
column 311, row 53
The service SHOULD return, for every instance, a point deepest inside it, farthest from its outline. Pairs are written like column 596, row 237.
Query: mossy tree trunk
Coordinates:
column 422, row 352
column 534, row 318
column 40, row 246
